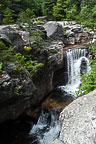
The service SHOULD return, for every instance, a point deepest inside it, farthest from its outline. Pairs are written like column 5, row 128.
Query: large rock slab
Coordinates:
column 54, row 30
column 79, row 121
column 11, row 37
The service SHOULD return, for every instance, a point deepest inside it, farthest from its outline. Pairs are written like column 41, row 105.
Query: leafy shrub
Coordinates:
column 27, row 49
column 7, row 54
column 1, row 64
column 8, row 16
column 88, row 82
column 32, row 66
column 2, row 46
column 39, row 22
column 25, row 61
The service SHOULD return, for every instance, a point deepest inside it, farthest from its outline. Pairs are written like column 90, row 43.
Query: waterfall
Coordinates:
column 77, row 63
column 48, row 127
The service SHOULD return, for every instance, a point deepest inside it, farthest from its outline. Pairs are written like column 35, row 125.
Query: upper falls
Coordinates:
column 76, row 63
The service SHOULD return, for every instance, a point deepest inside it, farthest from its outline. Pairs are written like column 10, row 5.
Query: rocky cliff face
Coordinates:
column 79, row 121
column 18, row 91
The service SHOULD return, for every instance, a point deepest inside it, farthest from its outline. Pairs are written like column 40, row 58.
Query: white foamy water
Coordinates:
column 47, row 127
column 77, row 63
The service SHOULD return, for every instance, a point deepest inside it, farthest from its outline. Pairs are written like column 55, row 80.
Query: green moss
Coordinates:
column 1, row 64
column 39, row 22
column 65, row 35
column 54, row 51
column 49, row 62
column 17, row 90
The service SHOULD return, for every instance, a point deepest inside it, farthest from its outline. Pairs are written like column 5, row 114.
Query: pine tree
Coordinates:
column 47, row 7
column 59, row 10
column 8, row 16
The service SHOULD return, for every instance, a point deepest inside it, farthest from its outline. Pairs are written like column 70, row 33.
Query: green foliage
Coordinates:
column 84, row 13
column 88, row 82
column 26, row 17
column 11, row 10
column 32, row 66
column 28, row 22
column 2, row 46
column 81, row 10
column 71, row 12
column 27, row 62
column 35, row 37
column 21, row 60
column 39, row 22
column 47, row 6
column 59, row 10
column 94, row 12
column 5, row 52
column 1, row 64
column 17, row 90
column 54, row 51
column 27, row 49
column 8, row 16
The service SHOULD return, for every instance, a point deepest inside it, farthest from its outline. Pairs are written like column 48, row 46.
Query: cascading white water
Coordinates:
column 77, row 63
column 47, row 127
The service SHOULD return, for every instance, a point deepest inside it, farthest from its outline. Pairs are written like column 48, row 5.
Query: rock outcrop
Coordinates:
column 10, row 37
column 19, row 91
column 79, row 121
column 70, row 32
column 54, row 30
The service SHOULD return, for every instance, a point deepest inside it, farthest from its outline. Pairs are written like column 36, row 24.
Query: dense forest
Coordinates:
column 82, row 11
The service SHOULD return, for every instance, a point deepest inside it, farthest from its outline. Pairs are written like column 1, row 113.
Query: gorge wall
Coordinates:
column 33, row 90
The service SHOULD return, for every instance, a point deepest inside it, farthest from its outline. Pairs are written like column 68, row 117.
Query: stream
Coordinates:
column 48, row 126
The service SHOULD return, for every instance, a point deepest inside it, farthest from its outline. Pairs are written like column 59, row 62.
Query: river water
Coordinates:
column 48, row 126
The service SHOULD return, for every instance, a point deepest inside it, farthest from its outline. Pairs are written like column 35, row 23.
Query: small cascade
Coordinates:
column 48, row 127
column 77, row 63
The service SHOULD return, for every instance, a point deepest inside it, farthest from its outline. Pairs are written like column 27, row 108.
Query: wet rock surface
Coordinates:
column 57, row 99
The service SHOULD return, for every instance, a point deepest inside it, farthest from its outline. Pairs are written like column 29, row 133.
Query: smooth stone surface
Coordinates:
column 79, row 121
